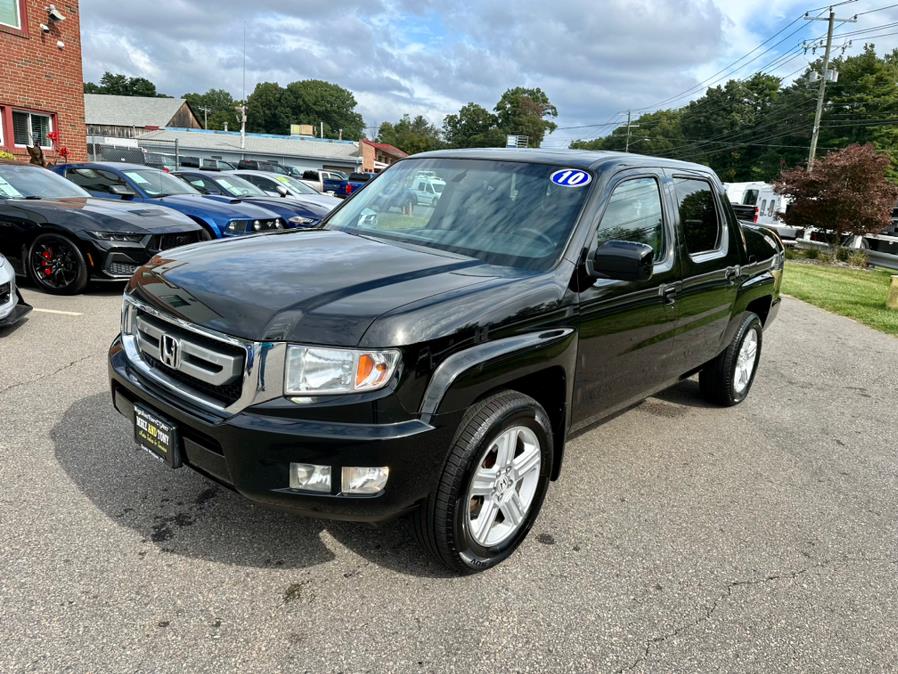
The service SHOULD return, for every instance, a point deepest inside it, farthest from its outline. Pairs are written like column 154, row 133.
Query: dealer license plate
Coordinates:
column 157, row 436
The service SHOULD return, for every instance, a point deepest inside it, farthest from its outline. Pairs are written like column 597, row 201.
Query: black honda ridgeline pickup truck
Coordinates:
column 433, row 360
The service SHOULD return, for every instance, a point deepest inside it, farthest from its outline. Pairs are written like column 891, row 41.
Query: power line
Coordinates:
column 729, row 67
column 878, row 9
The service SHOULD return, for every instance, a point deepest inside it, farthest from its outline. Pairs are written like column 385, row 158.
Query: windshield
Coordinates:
column 505, row 213
column 158, row 183
column 20, row 182
column 294, row 185
column 238, row 187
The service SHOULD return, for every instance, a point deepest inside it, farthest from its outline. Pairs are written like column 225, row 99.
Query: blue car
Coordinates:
column 142, row 184
column 229, row 188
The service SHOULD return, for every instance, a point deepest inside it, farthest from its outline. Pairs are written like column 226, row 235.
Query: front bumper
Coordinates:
column 251, row 451
column 14, row 309
column 118, row 260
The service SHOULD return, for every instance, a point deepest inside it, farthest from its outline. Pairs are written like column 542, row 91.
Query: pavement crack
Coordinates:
column 709, row 609
column 37, row 379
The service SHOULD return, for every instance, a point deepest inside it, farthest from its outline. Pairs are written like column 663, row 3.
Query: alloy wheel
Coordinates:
column 54, row 263
column 745, row 361
column 503, row 486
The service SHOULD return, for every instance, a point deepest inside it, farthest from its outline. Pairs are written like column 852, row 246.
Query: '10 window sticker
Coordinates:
column 568, row 177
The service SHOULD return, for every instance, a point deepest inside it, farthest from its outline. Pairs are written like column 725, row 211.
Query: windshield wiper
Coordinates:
column 33, row 197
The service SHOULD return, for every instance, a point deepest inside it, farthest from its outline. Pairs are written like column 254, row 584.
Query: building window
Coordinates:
column 31, row 128
column 11, row 13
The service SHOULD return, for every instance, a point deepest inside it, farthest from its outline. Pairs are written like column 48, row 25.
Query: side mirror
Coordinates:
column 623, row 261
column 122, row 191
column 282, row 191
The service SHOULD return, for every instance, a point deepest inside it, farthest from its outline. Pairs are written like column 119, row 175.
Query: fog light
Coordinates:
column 364, row 479
column 310, row 477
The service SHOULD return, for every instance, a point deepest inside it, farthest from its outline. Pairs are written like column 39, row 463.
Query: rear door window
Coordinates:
column 94, row 180
column 702, row 231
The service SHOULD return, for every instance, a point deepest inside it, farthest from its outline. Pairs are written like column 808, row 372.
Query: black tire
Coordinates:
column 718, row 379
column 54, row 263
column 442, row 521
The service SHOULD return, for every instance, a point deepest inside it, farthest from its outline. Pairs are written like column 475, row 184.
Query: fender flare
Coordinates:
column 512, row 358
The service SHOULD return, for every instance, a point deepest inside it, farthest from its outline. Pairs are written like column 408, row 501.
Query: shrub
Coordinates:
column 5, row 155
column 842, row 254
column 812, row 253
column 858, row 258
column 792, row 253
column 826, row 256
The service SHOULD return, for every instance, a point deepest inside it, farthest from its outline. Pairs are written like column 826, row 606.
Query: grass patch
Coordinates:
column 858, row 294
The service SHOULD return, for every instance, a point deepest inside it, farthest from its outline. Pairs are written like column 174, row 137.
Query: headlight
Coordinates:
column 118, row 236
column 300, row 221
column 127, row 317
column 313, row 370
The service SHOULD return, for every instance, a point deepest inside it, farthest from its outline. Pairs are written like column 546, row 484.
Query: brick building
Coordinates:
column 378, row 156
column 41, row 81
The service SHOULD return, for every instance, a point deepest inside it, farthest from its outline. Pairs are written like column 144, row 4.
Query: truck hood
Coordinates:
column 284, row 207
column 323, row 201
column 199, row 204
column 307, row 286
column 102, row 215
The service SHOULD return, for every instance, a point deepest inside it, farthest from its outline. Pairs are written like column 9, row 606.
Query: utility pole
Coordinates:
column 821, row 96
column 629, row 126
column 205, row 112
column 243, row 102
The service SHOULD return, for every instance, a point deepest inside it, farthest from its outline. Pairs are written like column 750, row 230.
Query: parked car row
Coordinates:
column 102, row 220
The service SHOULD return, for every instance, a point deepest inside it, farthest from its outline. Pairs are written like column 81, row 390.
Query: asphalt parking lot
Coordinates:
column 679, row 538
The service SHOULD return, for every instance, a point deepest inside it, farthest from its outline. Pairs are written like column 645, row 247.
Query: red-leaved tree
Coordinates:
column 846, row 193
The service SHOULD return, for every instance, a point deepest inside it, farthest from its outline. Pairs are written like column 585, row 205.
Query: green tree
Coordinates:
column 116, row 84
column 221, row 108
column 410, row 135
column 865, row 95
column 525, row 112
column 473, row 126
column 266, row 110
column 317, row 101
column 272, row 108
column 725, row 113
column 659, row 134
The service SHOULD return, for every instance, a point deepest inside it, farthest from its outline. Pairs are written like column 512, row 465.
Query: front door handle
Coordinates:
column 731, row 273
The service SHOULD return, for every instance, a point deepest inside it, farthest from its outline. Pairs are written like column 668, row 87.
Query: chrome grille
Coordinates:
column 219, row 372
column 213, row 364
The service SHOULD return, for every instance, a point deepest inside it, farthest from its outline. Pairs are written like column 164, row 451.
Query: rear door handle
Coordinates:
column 669, row 294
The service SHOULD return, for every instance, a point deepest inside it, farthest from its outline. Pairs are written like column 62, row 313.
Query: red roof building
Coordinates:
column 378, row 156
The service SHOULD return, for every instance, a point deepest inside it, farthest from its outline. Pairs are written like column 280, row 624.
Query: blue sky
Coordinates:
column 594, row 58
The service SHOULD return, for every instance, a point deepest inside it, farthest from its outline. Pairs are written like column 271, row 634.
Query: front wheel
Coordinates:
column 56, row 265
column 727, row 379
column 492, row 486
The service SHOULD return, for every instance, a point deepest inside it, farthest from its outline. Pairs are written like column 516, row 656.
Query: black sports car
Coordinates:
column 60, row 237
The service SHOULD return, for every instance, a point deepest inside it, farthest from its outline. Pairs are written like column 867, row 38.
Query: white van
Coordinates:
column 768, row 204
column 427, row 189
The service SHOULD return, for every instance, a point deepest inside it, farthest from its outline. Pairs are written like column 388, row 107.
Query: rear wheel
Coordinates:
column 492, row 486
column 727, row 379
column 56, row 265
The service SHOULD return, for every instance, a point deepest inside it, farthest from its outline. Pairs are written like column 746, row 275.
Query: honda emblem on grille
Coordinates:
column 170, row 351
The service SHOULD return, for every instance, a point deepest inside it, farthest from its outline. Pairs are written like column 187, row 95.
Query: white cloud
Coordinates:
column 594, row 59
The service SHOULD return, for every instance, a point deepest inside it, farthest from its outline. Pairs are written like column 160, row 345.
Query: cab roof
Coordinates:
column 591, row 160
